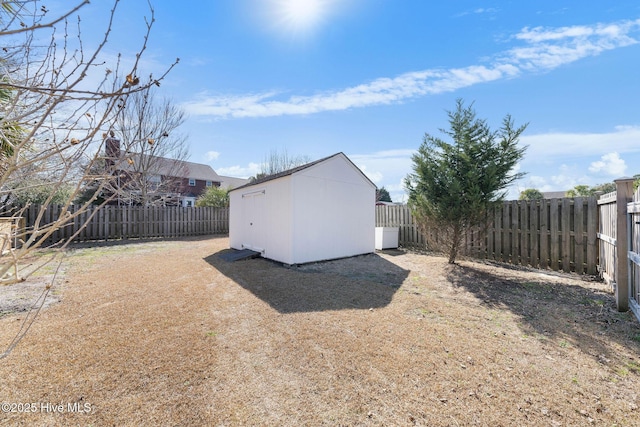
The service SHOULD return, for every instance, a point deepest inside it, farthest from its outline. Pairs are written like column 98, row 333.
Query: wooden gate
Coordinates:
column 619, row 242
column 607, row 233
column 633, row 215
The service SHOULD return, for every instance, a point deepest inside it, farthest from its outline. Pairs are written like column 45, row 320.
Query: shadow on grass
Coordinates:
column 362, row 282
column 137, row 241
column 568, row 315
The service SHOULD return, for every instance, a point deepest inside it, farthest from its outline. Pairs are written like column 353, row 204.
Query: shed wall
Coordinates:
column 333, row 213
column 274, row 219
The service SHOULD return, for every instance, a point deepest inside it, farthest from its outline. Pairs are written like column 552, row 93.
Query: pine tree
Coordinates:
column 382, row 195
column 455, row 184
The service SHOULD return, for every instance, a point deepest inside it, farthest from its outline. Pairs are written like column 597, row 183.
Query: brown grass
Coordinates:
column 167, row 333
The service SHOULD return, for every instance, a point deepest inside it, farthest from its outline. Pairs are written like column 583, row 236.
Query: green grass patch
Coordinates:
column 633, row 367
column 564, row 344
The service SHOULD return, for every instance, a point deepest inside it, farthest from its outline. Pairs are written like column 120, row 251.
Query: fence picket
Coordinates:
column 565, row 224
column 578, row 235
column 515, row 232
column 554, row 234
column 525, row 251
column 592, row 236
column 534, row 230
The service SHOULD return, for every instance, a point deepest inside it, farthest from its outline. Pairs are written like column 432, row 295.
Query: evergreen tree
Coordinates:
column 455, row 184
column 382, row 195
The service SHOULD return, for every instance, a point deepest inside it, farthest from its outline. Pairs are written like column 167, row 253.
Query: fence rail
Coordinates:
column 129, row 222
column 559, row 234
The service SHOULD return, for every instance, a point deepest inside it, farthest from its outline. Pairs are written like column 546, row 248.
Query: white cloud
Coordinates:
column 491, row 11
column 397, row 191
column 550, row 145
column 610, row 164
column 569, row 176
column 211, row 155
column 387, row 169
column 544, row 49
column 378, row 92
column 374, row 176
column 240, row 171
column 565, row 178
column 586, row 171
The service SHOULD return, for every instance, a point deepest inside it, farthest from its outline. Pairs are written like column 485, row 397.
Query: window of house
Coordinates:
column 209, row 183
column 156, row 179
column 192, row 182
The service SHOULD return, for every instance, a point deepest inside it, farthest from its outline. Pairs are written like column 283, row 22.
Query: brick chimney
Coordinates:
column 112, row 149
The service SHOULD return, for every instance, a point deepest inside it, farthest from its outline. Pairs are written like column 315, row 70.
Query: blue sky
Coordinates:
column 370, row 77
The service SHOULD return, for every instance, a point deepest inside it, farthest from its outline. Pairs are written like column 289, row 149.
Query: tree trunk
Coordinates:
column 455, row 243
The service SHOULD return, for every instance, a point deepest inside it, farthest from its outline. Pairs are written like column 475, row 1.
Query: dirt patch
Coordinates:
column 42, row 288
column 167, row 333
column 23, row 296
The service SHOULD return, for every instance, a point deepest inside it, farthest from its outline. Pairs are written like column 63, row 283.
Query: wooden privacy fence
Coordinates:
column 633, row 254
column 129, row 222
column 619, row 235
column 558, row 234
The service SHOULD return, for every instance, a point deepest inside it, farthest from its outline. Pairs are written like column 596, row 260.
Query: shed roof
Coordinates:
column 300, row 168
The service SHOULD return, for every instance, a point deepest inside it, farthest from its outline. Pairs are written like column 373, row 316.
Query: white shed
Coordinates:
column 319, row 211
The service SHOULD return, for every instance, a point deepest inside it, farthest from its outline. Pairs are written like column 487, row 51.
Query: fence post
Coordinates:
column 624, row 192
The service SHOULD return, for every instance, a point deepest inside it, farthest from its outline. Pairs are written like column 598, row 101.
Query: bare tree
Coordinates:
column 151, row 152
column 277, row 162
column 57, row 99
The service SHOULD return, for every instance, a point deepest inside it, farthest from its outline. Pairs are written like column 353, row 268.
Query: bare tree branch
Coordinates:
column 30, row 28
column 57, row 100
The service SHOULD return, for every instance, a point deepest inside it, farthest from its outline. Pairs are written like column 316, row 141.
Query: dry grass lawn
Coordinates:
column 167, row 333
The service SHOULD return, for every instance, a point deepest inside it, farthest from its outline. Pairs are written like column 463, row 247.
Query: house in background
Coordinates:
column 193, row 181
column 229, row 183
column 319, row 211
column 554, row 194
column 146, row 179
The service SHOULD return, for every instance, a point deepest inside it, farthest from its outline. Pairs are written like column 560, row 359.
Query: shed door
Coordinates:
column 253, row 213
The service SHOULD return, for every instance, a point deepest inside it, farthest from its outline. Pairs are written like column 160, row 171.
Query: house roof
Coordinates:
column 202, row 172
column 231, row 182
column 171, row 167
column 554, row 194
column 300, row 168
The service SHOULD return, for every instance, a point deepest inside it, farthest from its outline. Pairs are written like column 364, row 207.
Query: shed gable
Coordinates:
column 337, row 168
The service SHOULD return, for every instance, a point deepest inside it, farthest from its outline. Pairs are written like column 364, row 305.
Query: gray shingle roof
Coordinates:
column 231, row 182
column 554, row 194
column 171, row 167
column 298, row 169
